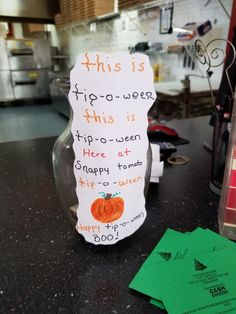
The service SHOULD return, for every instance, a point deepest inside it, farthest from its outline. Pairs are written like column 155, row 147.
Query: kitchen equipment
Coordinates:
column 221, row 116
column 166, row 17
column 42, row 11
column 24, row 69
column 6, row 90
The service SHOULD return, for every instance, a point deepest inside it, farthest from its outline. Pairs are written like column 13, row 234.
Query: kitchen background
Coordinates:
column 30, row 104
column 134, row 26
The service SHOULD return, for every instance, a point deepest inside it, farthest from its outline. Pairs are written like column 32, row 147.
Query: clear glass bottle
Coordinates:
column 63, row 160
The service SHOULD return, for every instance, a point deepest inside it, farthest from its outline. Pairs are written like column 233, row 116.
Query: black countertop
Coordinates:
column 46, row 267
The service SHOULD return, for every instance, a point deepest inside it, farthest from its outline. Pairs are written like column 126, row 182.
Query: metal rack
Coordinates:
column 213, row 56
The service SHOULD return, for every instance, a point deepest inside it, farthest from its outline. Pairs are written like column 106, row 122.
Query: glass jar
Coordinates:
column 63, row 160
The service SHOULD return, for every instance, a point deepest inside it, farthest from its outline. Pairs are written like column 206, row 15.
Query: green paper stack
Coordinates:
column 192, row 272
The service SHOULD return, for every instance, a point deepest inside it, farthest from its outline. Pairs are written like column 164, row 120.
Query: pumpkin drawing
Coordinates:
column 108, row 208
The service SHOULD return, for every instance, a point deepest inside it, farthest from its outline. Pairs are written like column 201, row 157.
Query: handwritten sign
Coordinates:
column 110, row 96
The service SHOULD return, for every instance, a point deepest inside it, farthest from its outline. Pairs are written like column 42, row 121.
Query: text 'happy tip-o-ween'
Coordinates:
column 107, row 208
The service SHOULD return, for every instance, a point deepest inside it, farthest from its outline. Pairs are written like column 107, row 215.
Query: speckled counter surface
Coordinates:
column 45, row 267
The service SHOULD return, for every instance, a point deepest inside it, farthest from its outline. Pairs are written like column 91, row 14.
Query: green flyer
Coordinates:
column 174, row 246
column 205, row 284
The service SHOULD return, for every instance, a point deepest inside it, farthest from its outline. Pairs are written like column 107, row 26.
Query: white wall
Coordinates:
column 54, row 39
column 129, row 29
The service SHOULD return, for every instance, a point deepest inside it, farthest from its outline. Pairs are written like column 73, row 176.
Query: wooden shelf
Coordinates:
column 74, row 12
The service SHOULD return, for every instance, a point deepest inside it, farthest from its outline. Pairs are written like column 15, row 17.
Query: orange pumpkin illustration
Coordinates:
column 108, row 208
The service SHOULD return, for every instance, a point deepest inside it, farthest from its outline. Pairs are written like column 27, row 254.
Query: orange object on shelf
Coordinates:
column 75, row 11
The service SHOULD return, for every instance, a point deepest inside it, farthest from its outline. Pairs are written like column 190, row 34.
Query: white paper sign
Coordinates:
column 110, row 96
